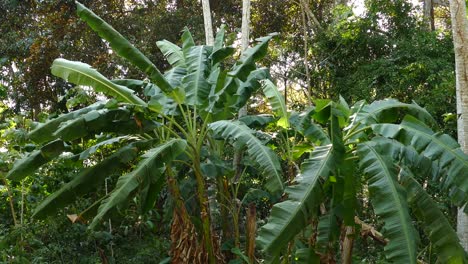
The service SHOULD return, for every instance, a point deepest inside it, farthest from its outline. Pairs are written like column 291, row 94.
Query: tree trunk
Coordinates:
column 429, row 14
column 207, row 20
column 245, row 36
column 460, row 41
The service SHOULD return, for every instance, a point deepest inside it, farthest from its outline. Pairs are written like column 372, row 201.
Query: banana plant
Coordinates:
column 390, row 148
column 162, row 128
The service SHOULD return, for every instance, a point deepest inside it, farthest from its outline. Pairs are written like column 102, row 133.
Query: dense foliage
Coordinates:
column 142, row 167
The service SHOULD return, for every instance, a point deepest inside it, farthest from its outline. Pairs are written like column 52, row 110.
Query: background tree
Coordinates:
column 460, row 41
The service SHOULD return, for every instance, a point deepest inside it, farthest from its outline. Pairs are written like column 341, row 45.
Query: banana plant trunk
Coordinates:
column 460, row 41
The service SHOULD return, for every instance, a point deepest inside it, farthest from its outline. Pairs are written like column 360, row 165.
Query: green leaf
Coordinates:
column 437, row 147
column 327, row 231
column 148, row 169
column 118, row 120
column 172, row 53
column 195, row 82
column 383, row 111
column 187, row 41
column 36, row 159
column 288, row 218
column 89, row 178
column 257, row 121
column 88, row 152
column 389, row 201
column 246, row 64
column 276, row 100
column 122, row 46
column 44, row 132
column 82, row 74
column 302, row 123
column 242, row 136
column 250, row 86
column 444, row 239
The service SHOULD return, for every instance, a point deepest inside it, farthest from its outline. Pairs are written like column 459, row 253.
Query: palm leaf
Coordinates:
column 389, row 201
column 36, row 159
column 195, row 82
column 276, row 100
column 436, row 226
column 89, row 178
column 123, row 47
column 242, row 136
column 436, row 146
column 288, row 218
column 146, row 171
column 44, row 132
column 82, row 74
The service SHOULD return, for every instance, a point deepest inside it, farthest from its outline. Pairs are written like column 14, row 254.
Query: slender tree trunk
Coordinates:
column 245, row 36
column 207, row 20
column 460, row 41
column 429, row 14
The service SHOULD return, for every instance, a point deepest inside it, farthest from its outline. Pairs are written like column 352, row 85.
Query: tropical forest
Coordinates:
column 234, row 131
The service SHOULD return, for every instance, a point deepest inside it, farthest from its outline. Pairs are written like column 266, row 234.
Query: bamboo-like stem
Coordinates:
column 10, row 198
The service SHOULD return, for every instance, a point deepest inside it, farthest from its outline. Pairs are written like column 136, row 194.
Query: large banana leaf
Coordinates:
column 288, row 218
column 242, row 136
column 248, row 58
column 44, row 132
column 195, row 82
column 436, row 226
column 148, row 169
column 82, row 74
column 276, row 100
column 384, row 111
column 250, row 86
column 302, row 123
column 172, row 53
column 118, row 120
column 436, row 146
column 89, row 178
column 389, row 202
column 123, row 47
column 36, row 159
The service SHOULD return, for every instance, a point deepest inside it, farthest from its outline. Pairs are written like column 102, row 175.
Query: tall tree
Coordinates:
column 460, row 41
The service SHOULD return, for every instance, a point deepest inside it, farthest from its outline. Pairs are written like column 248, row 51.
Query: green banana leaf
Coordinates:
column 36, row 159
column 195, row 82
column 389, row 201
column 44, row 132
column 436, row 146
column 288, row 218
column 172, row 53
column 82, row 74
column 123, row 47
column 147, row 170
column 436, row 226
column 242, row 136
column 89, row 178
column 276, row 100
